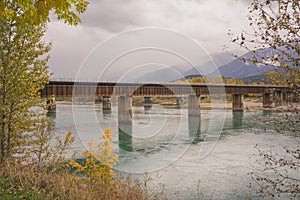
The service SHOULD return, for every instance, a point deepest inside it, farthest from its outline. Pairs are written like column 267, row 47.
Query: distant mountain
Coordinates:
column 231, row 68
column 180, row 71
column 222, row 58
column 239, row 69
column 256, row 79
column 161, row 75
column 215, row 60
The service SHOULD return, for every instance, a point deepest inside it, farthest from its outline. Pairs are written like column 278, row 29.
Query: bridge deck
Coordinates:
column 89, row 89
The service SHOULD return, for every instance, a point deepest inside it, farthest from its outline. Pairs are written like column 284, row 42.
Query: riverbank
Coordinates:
column 250, row 103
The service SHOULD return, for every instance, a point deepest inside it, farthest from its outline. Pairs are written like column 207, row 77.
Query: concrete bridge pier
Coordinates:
column 291, row 97
column 288, row 97
column 278, row 98
column 148, row 101
column 179, row 100
column 125, row 123
column 193, row 105
column 194, row 116
column 97, row 100
column 237, row 102
column 267, row 102
column 51, row 105
column 106, row 103
column 284, row 98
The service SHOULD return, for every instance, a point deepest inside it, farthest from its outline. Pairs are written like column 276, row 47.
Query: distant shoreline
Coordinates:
column 250, row 104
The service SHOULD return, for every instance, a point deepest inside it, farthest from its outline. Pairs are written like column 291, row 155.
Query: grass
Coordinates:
column 27, row 182
column 75, row 179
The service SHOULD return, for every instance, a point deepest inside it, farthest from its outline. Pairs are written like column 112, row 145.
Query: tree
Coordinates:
column 274, row 41
column 37, row 11
column 99, row 163
column 24, row 72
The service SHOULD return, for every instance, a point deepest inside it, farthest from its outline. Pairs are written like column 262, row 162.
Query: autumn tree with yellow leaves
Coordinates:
column 24, row 72
column 99, row 160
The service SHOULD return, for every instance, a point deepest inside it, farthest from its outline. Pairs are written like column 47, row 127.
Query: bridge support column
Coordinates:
column 194, row 116
column 237, row 102
column 179, row 100
column 97, row 100
column 267, row 102
column 125, row 123
column 193, row 105
column 278, row 98
column 148, row 102
column 284, row 98
column 106, row 103
column 51, row 105
column 288, row 97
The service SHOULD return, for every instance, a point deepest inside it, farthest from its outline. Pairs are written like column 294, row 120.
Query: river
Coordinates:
column 214, row 166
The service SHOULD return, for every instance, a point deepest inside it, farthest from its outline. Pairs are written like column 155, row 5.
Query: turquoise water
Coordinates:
column 212, row 163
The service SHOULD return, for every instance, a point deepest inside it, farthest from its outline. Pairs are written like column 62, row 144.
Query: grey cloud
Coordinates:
column 205, row 21
column 112, row 15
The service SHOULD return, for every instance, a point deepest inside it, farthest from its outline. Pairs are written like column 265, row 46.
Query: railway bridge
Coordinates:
column 193, row 91
column 125, row 92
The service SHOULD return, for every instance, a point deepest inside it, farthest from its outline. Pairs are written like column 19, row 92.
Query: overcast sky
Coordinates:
column 205, row 21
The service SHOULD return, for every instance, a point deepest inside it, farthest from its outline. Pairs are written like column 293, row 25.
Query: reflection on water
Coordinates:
column 152, row 127
column 237, row 120
column 106, row 113
column 195, row 129
column 125, row 137
column 52, row 121
column 266, row 112
column 147, row 109
column 163, row 139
